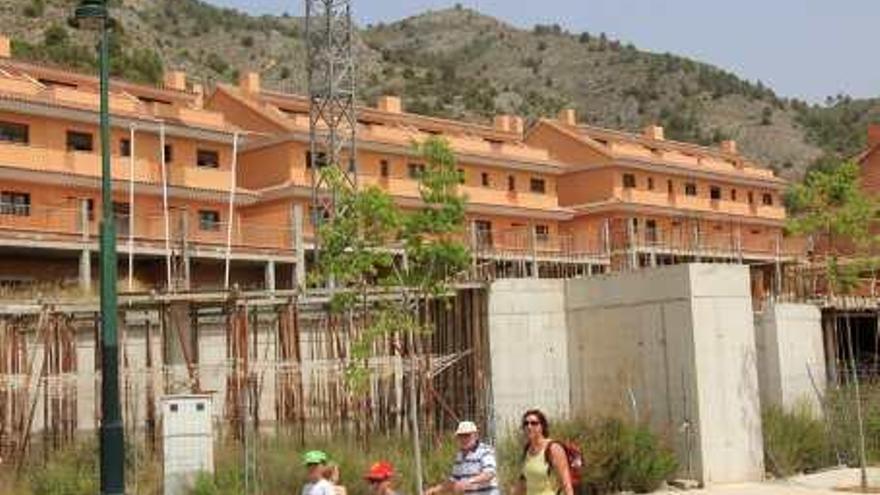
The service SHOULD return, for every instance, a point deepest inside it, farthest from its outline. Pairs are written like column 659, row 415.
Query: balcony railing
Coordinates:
column 65, row 223
column 84, row 163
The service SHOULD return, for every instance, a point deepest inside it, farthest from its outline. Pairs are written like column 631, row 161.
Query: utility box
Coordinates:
column 187, row 440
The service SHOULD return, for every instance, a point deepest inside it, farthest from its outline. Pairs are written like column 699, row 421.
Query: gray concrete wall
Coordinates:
column 528, row 342
column 791, row 357
column 673, row 346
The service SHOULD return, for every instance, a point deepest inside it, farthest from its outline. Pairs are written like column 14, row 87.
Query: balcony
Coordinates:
column 521, row 243
column 88, row 164
column 48, row 226
column 700, row 203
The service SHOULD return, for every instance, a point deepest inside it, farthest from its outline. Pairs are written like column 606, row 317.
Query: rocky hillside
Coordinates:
column 459, row 63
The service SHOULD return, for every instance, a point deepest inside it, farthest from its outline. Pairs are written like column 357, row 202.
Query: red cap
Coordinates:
column 380, row 471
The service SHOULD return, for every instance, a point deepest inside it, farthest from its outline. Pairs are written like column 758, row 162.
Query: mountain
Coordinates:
column 459, row 63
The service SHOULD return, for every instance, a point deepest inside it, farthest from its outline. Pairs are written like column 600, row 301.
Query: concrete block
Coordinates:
column 791, row 356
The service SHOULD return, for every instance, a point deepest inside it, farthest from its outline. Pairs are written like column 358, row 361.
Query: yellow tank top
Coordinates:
column 539, row 479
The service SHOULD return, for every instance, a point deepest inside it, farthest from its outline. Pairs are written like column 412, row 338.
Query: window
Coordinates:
column 690, row 189
column 208, row 158
column 715, row 193
column 15, row 203
column 11, row 132
column 209, row 220
column 90, row 209
column 542, row 233
column 511, row 183
column 733, row 194
column 79, row 141
column 173, row 408
column 200, row 406
column 651, row 230
column 169, row 153
column 121, row 214
column 751, row 198
column 462, row 177
column 650, row 183
column 767, row 199
column 415, row 170
column 125, row 147
column 320, row 160
column 669, row 187
column 384, row 169
column 483, row 232
column 484, row 179
column 629, row 181
column 538, row 186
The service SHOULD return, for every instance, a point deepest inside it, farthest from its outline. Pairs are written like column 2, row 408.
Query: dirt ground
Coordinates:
column 823, row 483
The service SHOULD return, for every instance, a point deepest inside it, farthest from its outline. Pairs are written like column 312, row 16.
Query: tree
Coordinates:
column 372, row 244
column 832, row 205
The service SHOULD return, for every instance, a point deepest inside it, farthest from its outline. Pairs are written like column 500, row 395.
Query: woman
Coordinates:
column 538, row 476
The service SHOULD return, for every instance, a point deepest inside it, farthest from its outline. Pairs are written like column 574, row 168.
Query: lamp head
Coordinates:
column 91, row 13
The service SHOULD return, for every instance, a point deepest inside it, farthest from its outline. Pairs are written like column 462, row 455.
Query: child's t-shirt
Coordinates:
column 320, row 487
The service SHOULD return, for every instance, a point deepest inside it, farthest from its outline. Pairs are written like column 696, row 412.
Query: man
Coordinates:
column 315, row 462
column 474, row 471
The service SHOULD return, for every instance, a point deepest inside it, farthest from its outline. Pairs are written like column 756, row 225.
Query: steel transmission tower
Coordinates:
column 332, row 112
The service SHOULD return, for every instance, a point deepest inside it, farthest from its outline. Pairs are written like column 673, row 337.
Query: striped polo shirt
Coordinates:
column 480, row 459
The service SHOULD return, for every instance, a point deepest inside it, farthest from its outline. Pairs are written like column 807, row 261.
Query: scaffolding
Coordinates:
column 273, row 361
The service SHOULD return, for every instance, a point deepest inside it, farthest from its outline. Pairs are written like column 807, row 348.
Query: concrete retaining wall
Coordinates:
column 673, row 346
column 791, row 356
column 528, row 341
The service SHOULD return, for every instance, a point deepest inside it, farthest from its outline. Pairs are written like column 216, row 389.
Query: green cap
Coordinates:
column 314, row 457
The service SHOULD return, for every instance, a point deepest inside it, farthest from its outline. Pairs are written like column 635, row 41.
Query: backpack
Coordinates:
column 572, row 453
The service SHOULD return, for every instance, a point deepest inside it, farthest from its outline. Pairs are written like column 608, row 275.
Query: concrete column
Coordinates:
column 85, row 257
column 270, row 275
column 299, row 269
column 606, row 236
column 533, row 249
column 696, row 241
column 632, row 254
column 187, row 271
column 778, row 268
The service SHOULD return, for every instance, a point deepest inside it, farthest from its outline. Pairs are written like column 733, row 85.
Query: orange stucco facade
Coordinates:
column 558, row 191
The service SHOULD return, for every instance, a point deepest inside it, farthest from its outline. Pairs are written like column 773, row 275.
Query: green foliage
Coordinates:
column 794, row 442
column 68, row 472
column 216, row 63
column 281, row 474
column 842, row 425
column 357, row 244
column 36, row 8
column 767, row 116
column 618, row 455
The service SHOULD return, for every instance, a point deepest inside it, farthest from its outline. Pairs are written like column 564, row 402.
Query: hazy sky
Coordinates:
column 803, row 48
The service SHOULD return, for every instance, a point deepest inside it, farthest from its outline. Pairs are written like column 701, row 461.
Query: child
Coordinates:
column 315, row 462
column 380, row 478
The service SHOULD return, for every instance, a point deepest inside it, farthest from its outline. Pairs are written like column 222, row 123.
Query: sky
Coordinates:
column 807, row 49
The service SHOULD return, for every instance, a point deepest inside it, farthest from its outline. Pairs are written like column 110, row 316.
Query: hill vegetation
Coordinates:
column 459, row 63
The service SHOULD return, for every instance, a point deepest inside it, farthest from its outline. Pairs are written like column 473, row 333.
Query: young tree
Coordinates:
column 373, row 244
column 832, row 206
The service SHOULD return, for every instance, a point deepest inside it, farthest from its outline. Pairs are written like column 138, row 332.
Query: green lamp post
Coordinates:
column 94, row 13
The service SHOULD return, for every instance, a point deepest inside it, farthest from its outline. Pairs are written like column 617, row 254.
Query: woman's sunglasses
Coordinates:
column 527, row 423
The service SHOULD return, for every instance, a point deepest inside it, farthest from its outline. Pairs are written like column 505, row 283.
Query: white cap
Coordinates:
column 466, row 428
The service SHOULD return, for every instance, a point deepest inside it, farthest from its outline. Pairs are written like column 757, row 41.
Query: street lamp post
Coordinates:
column 94, row 12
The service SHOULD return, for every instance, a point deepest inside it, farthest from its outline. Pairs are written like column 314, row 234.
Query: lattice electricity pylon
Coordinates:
column 332, row 112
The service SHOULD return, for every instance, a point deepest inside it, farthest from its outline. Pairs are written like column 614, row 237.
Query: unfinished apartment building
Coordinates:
column 213, row 190
column 515, row 221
